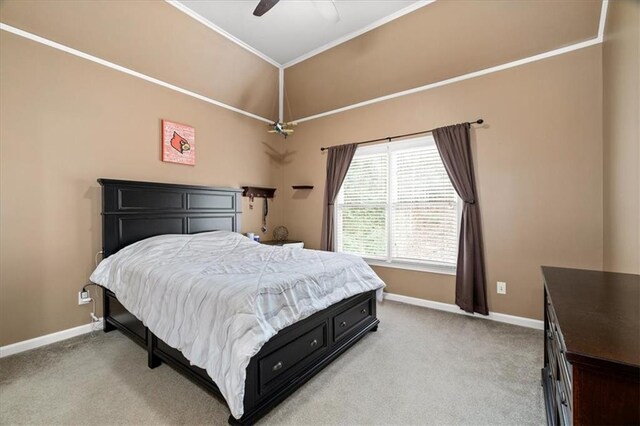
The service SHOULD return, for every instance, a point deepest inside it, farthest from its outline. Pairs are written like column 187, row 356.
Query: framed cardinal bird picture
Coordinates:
column 178, row 143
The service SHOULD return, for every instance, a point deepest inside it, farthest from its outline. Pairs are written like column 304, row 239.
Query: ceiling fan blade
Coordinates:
column 328, row 10
column 264, row 6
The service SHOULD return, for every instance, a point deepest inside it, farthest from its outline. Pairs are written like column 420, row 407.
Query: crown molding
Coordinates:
column 541, row 56
column 416, row 6
column 448, row 81
column 184, row 9
column 411, row 8
column 372, row 26
column 603, row 19
column 95, row 59
column 204, row 21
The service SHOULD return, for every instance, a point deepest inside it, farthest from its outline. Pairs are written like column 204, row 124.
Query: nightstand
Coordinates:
column 285, row 243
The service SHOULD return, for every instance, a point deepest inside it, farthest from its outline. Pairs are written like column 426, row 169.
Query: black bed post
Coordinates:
column 152, row 341
column 106, row 325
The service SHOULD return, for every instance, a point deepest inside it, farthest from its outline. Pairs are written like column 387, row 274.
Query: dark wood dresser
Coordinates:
column 591, row 373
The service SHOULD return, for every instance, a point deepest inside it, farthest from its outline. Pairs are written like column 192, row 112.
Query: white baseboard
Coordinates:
column 509, row 319
column 83, row 329
column 36, row 342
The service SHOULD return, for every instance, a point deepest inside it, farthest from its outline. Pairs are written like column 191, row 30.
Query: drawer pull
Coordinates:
column 313, row 342
column 563, row 398
column 363, row 312
column 277, row 367
column 549, row 334
column 343, row 324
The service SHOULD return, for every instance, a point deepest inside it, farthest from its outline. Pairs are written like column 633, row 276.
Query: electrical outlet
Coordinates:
column 84, row 297
column 501, row 287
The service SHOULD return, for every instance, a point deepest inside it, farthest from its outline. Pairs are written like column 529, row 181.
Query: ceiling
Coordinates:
column 294, row 28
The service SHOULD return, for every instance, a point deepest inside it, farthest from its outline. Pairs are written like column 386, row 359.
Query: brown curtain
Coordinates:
column 454, row 146
column 338, row 161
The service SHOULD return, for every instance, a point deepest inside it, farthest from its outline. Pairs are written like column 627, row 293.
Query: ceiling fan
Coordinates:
column 284, row 129
column 326, row 8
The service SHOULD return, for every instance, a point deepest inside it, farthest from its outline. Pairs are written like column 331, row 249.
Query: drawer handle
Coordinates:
column 343, row 324
column 313, row 342
column 363, row 312
column 563, row 398
column 277, row 367
column 550, row 334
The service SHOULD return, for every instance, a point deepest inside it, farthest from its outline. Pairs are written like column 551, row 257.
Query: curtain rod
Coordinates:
column 389, row 138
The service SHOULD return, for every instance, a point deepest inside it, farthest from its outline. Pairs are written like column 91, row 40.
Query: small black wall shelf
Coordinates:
column 302, row 186
column 258, row 191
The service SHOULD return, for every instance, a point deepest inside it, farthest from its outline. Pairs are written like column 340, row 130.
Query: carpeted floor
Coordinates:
column 421, row 367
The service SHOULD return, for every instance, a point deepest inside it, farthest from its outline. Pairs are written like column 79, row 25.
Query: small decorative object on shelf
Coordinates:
column 280, row 233
column 302, row 186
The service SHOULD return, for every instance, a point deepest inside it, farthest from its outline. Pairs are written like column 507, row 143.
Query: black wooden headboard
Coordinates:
column 132, row 211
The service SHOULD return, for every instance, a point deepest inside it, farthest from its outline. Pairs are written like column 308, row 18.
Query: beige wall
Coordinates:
column 621, row 72
column 539, row 170
column 156, row 39
column 445, row 39
column 66, row 122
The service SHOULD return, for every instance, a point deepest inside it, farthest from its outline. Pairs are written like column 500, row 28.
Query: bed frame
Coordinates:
column 132, row 211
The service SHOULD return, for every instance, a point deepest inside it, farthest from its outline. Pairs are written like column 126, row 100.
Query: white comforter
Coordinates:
column 218, row 297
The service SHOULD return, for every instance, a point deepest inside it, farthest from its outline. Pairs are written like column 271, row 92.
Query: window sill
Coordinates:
column 412, row 266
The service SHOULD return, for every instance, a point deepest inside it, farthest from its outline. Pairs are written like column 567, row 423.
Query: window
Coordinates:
column 398, row 207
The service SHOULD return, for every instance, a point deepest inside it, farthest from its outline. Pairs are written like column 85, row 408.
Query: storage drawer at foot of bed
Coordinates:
column 350, row 318
column 123, row 318
column 292, row 355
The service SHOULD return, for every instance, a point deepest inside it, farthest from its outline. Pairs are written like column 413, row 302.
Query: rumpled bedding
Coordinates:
column 218, row 297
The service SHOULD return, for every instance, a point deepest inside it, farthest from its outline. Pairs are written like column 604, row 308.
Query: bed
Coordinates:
column 145, row 219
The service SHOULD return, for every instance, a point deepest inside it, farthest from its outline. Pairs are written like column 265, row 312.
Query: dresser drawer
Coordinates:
column 349, row 319
column 284, row 359
column 565, row 375
column 562, row 402
column 557, row 352
column 566, row 371
column 551, row 355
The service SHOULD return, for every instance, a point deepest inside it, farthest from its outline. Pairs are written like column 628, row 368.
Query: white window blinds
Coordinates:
column 397, row 205
column 362, row 206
